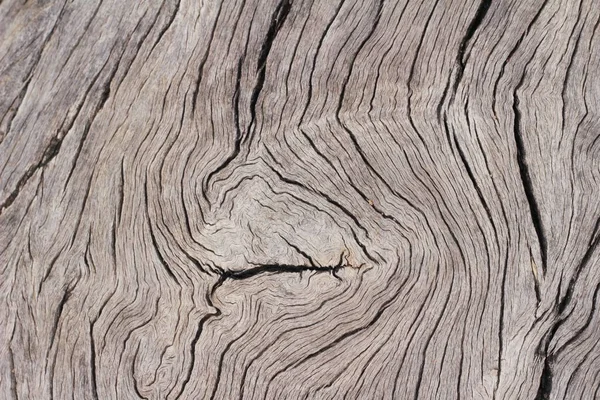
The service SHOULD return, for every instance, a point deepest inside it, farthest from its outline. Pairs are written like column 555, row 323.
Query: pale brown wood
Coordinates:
column 299, row 200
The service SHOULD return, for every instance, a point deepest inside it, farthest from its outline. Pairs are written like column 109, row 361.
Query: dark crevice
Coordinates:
column 575, row 335
column 536, row 283
column 593, row 244
column 81, row 104
column 370, row 323
column 49, row 153
column 543, row 350
column 277, row 19
column 545, row 387
column 20, row 97
column 513, row 51
column 411, row 74
column 412, row 327
column 375, row 172
column 487, row 210
column 428, row 342
column 438, row 109
column 295, row 329
column 83, row 206
column 153, row 238
column 472, row 178
column 271, row 269
column 568, row 74
column 528, row 185
column 326, row 197
column 34, row 65
column 352, row 61
column 280, row 269
column 13, row 376
column 135, row 381
column 387, row 304
column 226, row 193
column 78, row 41
column 246, row 274
column 461, row 58
column 504, row 271
column 49, row 270
column 222, row 359
column 352, row 136
column 93, row 363
column 238, row 132
column 104, row 95
column 121, row 199
column 314, row 61
column 203, row 62
column 57, row 315
column 299, row 251
column 53, row 146
column 138, row 45
column 366, row 251
column 113, row 245
column 165, row 27
column 196, row 338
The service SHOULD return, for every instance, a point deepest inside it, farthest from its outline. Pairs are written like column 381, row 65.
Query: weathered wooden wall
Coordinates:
column 351, row 199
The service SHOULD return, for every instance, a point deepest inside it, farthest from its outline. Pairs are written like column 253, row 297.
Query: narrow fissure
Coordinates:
column 545, row 380
column 480, row 14
column 528, row 185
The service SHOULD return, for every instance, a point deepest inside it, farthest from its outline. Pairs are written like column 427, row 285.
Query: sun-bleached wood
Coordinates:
column 299, row 199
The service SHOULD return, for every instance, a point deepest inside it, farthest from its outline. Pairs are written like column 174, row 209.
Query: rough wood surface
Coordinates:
column 352, row 199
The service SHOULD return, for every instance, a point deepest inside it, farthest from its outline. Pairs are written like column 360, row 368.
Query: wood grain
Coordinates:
column 299, row 199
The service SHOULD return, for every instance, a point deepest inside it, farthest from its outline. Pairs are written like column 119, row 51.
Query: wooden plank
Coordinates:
column 299, row 200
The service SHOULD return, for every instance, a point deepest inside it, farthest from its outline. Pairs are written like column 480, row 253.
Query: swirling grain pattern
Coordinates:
column 299, row 199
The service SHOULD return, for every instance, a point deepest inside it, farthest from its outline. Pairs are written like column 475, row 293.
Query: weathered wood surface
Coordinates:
column 299, row 200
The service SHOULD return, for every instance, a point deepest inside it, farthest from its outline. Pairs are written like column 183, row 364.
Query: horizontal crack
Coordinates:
column 275, row 268
column 278, row 269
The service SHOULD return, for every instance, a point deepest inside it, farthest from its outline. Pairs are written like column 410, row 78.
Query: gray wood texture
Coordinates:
column 353, row 199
